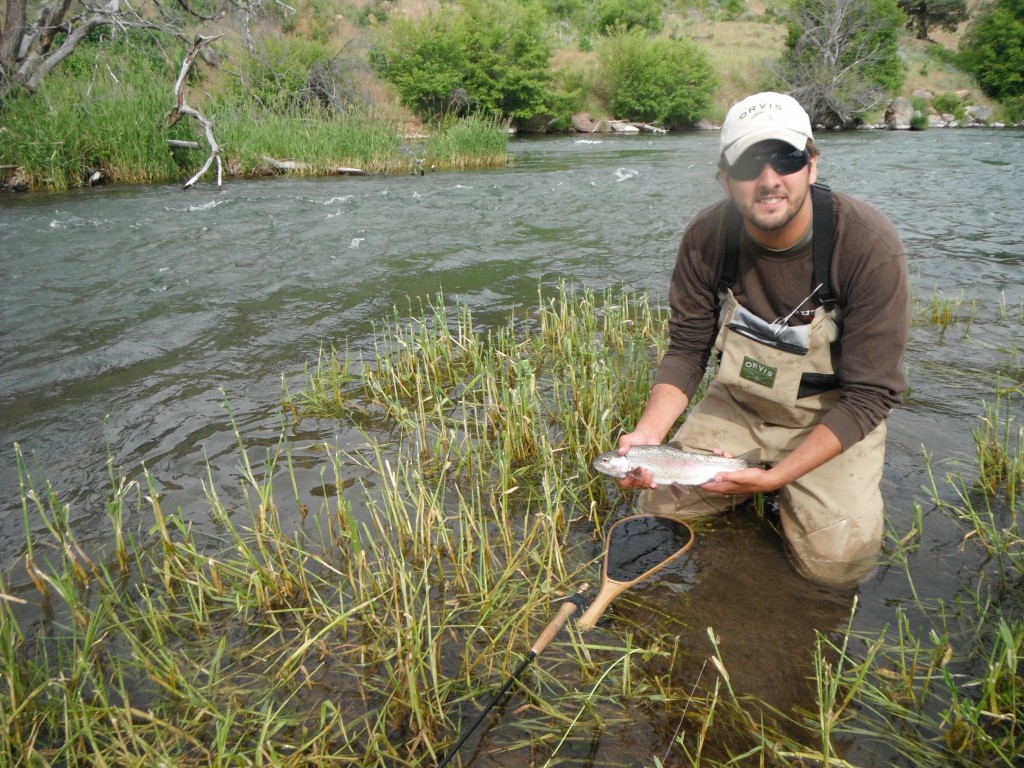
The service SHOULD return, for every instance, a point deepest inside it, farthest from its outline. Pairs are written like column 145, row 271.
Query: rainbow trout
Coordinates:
column 672, row 465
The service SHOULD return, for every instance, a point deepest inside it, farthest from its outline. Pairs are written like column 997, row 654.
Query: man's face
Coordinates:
column 775, row 206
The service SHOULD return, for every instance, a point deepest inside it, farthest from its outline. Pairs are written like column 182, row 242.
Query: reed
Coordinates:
column 316, row 142
column 364, row 628
column 106, row 118
column 109, row 114
column 944, row 311
column 472, row 142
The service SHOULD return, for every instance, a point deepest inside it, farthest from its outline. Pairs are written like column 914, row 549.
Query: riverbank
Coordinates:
column 103, row 115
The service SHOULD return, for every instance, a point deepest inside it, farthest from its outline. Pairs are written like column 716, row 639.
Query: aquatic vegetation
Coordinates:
column 364, row 623
column 944, row 311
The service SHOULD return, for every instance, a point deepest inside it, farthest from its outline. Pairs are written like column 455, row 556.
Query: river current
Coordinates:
column 136, row 321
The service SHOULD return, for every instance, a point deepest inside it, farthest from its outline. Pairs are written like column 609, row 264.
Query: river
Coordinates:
column 132, row 316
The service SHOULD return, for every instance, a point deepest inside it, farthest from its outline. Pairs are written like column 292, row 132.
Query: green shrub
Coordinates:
column 490, row 58
column 276, row 74
column 663, row 81
column 993, row 51
column 948, row 104
column 611, row 16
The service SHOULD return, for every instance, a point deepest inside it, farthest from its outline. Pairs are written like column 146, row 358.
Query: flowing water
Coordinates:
column 138, row 321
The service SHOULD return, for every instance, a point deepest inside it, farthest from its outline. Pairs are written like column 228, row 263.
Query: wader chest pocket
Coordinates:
column 785, row 338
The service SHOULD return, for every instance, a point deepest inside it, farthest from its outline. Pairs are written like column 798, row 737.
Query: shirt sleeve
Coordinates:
column 693, row 317
column 872, row 281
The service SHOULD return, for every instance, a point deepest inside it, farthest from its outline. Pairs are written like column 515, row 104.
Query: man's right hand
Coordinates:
column 666, row 404
column 643, row 478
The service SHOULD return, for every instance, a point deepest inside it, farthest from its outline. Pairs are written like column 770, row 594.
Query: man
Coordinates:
column 810, row 359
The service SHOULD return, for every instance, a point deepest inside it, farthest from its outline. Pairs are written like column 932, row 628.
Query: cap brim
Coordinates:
column 796, row 139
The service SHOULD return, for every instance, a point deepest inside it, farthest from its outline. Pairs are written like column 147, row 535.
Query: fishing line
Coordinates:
column 682, row 717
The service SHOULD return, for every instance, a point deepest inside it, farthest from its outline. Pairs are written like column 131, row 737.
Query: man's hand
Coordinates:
column 743, row 482
column 667, row 404
column 643, row 478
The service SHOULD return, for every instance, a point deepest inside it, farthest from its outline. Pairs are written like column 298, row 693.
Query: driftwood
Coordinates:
column 179, row 144
column 289, row 166
column 182, row 109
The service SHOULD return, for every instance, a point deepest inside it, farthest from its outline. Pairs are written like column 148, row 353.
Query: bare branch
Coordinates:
column 181, row 108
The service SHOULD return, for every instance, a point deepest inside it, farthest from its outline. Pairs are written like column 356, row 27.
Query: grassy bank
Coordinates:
column 109, row 122
column 365, row 623
column 101, row 115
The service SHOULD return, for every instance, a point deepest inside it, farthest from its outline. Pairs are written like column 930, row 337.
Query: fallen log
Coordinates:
column 290, row 166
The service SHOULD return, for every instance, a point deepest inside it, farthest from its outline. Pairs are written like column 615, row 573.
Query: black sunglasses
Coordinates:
column 782, row 161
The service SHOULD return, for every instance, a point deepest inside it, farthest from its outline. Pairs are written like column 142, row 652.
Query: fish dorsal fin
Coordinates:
column 751, row 458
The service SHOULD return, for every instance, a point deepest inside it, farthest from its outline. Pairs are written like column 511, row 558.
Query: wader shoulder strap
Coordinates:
column 732, row 222
column 822, row 245
column 824, row 238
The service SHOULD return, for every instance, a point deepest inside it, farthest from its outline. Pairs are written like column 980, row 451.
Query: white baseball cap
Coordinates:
column 763, row 117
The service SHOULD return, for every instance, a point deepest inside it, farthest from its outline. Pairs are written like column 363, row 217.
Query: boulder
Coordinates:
column 978, row 114
column 584, row 123
column 899, row 114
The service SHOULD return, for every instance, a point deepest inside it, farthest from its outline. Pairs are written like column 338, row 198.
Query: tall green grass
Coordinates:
column 106, row 117
column 108, row 114
column 364, row 623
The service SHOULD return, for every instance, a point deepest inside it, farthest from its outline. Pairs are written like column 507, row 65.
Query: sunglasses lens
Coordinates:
column 750, row 165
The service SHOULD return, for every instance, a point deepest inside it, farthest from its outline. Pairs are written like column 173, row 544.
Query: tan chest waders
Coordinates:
column 774, row 383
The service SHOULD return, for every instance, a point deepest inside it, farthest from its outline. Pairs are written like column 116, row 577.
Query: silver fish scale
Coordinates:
column 671, row 465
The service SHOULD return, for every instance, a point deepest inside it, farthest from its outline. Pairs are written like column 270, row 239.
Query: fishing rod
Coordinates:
column 636, row 547
column 545, row 637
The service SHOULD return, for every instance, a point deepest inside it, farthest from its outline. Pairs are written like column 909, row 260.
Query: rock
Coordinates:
column 706, row 125
column 899, row 114
column 978, row 113
column 584, row 123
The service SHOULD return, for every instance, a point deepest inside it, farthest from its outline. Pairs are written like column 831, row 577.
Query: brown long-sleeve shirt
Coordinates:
column 871, row 283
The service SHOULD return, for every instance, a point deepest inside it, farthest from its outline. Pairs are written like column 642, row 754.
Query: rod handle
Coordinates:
column 553, row 627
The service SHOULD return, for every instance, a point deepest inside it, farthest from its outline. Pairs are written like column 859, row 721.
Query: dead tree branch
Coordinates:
column 182, row 109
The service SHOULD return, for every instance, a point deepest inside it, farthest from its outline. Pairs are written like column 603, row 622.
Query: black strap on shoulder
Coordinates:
column 822, row 246
column 732, row 221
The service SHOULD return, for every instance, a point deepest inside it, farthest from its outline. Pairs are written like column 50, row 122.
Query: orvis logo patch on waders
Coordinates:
column 759, row 373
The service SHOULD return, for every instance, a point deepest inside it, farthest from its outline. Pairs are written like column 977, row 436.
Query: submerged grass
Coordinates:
column 367, row 630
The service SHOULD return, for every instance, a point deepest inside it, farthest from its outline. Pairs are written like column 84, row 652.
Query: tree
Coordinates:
column 993, row 51
column 30, row 51
column 928, row 14
column 842, row 58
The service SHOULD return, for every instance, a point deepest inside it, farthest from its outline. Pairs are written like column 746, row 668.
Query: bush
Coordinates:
column 948, row 104
column 993, row 51
column 279, row 70
column 611, row 16
column 491, row 59
column 664, row 81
